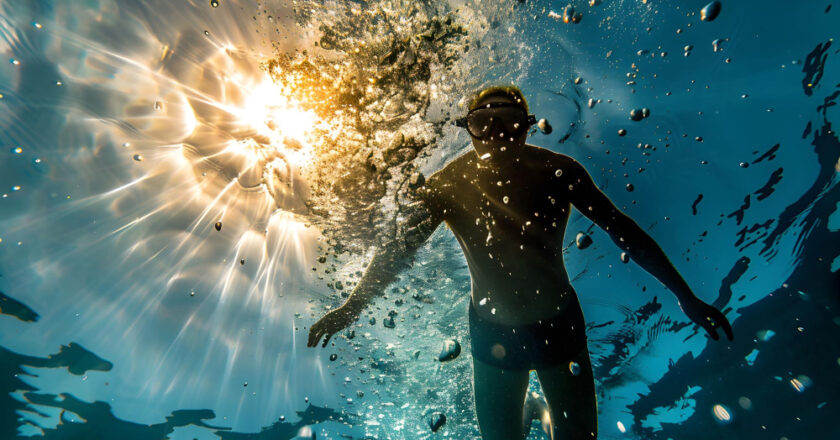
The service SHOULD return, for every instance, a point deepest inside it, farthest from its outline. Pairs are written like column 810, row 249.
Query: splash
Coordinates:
column 374, row 76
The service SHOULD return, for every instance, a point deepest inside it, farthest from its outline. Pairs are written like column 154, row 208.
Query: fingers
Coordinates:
column 727, row 328
column 719, row 320
column 715, row 321
column 313, row 338
column 712, row 331
column 315, row 333
column 709, row 326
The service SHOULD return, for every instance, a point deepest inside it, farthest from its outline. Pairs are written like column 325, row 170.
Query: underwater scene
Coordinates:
column 278, row 219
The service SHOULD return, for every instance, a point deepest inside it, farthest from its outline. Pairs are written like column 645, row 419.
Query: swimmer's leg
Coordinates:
column 571, row 399
column 499, row 399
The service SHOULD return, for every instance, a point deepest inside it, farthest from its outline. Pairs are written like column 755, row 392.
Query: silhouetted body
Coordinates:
column 508, row 204
column 510, row 222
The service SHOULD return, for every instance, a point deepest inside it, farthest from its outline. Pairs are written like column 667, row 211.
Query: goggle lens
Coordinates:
column 512, row 119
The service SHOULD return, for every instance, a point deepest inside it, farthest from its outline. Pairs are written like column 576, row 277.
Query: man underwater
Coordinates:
column 508, row 203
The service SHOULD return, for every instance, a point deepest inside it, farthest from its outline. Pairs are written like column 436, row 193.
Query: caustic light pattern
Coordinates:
column 186, row 187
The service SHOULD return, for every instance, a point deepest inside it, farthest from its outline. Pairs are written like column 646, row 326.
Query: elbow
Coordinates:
column 625, row 246
column 627, row 235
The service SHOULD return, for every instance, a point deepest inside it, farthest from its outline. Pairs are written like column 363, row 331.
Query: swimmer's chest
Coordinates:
column 483, row 205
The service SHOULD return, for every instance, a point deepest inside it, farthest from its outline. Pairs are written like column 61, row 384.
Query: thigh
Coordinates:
column 499, row 398
column 571, row 398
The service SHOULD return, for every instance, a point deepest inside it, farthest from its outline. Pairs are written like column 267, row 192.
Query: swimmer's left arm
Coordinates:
column 390, row 259
column 641, row 247
column 387, row 262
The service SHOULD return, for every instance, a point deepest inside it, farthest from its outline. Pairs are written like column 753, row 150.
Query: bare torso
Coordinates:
column 510, row 221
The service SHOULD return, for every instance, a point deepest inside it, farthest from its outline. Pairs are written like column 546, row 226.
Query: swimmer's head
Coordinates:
column 507, row 131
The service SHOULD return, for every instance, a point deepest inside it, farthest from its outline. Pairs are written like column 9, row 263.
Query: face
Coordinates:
column 498, row 143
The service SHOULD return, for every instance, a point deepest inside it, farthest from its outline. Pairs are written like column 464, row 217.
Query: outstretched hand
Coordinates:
column 707, row 316
column 332, row 323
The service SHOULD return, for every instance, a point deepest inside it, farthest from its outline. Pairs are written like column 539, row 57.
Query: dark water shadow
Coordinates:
column 766, row 395
column 96, row 420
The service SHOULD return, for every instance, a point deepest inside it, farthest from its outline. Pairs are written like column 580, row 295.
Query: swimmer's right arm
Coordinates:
column 387, row 262
column 641, row 247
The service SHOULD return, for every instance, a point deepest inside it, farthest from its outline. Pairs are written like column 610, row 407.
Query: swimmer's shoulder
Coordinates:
column 546, row 160
column 442, row 185
column 453, row 170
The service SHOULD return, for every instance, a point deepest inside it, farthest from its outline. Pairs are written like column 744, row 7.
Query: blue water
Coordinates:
column 129, row 129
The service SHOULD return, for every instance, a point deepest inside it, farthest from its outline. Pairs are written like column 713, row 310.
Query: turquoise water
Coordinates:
column 186, row 188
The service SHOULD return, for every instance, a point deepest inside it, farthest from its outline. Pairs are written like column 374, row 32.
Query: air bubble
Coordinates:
column 639, row 114
column 710, row 11
column 582, row 241
column 721, row 413
column 544, row 126
column 450, row 350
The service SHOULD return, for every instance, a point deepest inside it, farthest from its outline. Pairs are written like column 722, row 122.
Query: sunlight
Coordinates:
column 280, row 120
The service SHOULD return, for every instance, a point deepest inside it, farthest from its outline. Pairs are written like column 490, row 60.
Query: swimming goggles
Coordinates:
column 480, row 120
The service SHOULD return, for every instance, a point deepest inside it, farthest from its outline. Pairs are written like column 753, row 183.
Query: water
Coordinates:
column 171, row 174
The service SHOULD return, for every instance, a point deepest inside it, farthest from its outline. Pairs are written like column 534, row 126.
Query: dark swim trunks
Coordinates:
column 528, row 347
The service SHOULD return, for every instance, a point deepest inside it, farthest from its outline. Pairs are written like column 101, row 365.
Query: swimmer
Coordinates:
column 508, row 203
